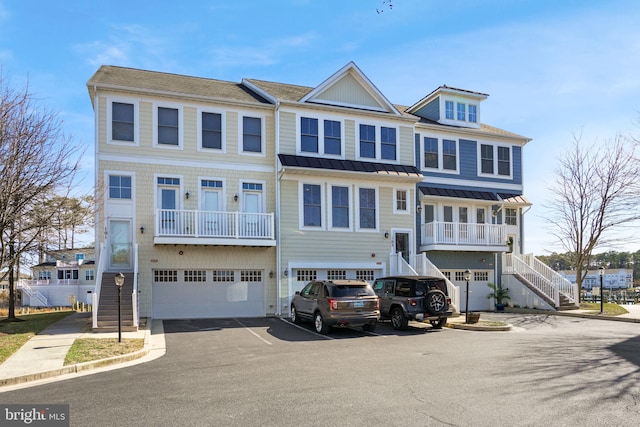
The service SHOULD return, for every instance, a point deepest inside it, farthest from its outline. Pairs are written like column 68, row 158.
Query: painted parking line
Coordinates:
column 306, row 330
column 249, row 329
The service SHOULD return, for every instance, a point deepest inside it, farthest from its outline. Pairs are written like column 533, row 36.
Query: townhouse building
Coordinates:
column 222, row 199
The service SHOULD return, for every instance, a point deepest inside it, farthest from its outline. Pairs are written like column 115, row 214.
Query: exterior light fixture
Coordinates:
column 419, row 208
column 119, row 278
column 186, row 195
column 142, row 229
column 467, row 277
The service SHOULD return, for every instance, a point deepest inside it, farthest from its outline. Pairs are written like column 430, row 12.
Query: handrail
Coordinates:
column 425, row 267
column 541, row 276
column 95, row 298
column 399, row 266
column 34, row 294
column 134, row 295
column 196, row 223
column 463, row 234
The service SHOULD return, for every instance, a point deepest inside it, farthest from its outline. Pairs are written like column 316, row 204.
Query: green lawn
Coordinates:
column 609, row 309
column 13, row 335
column 88, row 349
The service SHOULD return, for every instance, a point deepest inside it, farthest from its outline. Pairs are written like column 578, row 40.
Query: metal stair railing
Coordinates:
column 96, row 290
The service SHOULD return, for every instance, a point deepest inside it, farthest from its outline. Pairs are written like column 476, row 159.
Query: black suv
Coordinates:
column 342, row 303
column 404, row 298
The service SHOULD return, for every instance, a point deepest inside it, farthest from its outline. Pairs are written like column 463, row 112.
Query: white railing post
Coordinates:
column 134, row 296
column 95, row 298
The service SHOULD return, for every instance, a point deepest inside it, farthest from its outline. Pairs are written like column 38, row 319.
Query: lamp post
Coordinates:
column 601, row 269
column 467, row 277
column 119, row 278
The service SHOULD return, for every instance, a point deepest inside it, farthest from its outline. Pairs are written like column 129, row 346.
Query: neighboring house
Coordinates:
column 66, row 276
column 222, row 199
column 614, row 278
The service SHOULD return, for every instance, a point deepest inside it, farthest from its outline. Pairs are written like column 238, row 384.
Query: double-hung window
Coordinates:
column 388, row 143
column 431, row 153
column 312, row 201
column 462, row 111
column 504, row 161
column 473, row 114
column 122, row 121
column 448, row 110
column 308, row 135
column 119, row 187
column 449, row 155
column 339, row 207
column 211, row 130
column 332, row 137
column 401, row 204
column 367, row 207
column 368, row 141
column 510, row 216
column 486, row 158
column 251, row 134
column 168, row 126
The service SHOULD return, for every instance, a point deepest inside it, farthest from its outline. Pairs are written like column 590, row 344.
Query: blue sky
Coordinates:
column 553, row 69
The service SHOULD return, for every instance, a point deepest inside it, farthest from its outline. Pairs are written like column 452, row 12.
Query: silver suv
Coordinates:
column 421, row 298
column 340, row 303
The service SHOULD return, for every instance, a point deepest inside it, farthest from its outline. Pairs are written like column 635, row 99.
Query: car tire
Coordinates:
column 436, row 302
column 319, row 323
column 439, row 324
column 295, row 317
column 369, row 327
column 398, row 319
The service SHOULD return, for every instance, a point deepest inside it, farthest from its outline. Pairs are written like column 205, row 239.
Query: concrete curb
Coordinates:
column 82, row 367
column 571, row 314
column 479, row 327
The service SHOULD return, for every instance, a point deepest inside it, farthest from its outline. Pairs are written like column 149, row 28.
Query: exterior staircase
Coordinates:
column 542, row 280
column 108, row 304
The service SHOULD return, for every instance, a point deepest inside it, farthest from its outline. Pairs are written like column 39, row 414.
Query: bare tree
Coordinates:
column 35, row 162
column 70, row 216
column 595, row 195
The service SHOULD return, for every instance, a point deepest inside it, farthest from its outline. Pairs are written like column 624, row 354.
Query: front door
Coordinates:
column 120, row 245
column 401, row 243
column 167, row 202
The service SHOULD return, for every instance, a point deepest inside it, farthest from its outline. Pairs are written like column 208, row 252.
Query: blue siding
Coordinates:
column 516, row 153
column 448, row 260
column 430, row 111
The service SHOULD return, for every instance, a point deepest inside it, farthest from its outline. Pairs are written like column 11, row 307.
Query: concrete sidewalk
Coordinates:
column 43, row 355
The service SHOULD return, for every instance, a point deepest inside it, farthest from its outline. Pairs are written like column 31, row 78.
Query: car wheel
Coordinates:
column 438, row 324
column 436, row 302
column 398, row 320
column 321, row 326
column 295, row 318
column 369, row 327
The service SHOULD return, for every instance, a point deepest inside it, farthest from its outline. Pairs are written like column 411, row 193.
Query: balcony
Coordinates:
column 190, row 227
column 457, row 236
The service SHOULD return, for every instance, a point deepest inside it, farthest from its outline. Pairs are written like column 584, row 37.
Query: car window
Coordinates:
column 433, row 284
column 305, row 291
column 421, row 289
column 391, row 286
column 378, row 286
column 339, row 291
column 315, row 289
column 403, row 288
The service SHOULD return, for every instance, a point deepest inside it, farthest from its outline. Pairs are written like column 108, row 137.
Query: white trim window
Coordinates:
column 473, row 113
column 440, row 154
column 340, row 208
column 377, row 142
column 122, row 119
column 252, row 133
column 401, row 201
column 320, row 136
column 167, row 126
column 211, row 130
column 367, row 209
column 448, row 110
column 120, row 187
column 89, row 275
column 461, row 109
column 511, row 216
column 495, row 160
column 311, row 203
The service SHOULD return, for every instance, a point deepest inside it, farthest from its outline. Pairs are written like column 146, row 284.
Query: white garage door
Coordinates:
column 208, row 294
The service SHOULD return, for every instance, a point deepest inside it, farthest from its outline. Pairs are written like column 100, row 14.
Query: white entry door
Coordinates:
column 120, row 244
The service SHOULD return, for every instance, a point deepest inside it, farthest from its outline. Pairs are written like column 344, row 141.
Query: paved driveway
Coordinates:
column 551, row 371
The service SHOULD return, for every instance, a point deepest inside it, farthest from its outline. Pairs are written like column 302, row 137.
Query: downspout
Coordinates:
column 277, row 219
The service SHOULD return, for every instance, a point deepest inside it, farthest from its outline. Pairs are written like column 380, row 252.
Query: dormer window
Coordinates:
column 473, row 113
column 448, row 109
column 462, row 111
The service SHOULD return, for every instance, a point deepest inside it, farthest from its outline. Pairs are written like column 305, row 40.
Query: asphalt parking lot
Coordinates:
column 550, row 370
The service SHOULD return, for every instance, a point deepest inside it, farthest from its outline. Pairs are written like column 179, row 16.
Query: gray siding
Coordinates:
column 430, row 111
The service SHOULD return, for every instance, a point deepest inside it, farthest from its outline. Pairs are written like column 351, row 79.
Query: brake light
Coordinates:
column 448, row 300
column 413, row 302
column 333, row 303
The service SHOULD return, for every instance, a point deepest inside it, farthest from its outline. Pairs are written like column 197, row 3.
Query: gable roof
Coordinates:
column 444, row 89
column 131, row 79
column 348, row 87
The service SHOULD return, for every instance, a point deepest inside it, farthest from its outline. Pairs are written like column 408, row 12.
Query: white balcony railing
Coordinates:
column 460, row 234
column 227, row 225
